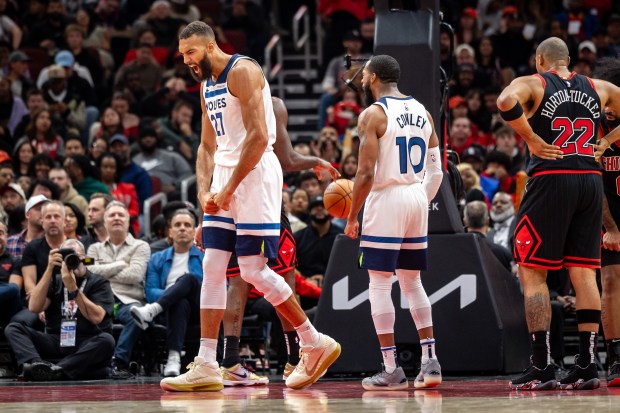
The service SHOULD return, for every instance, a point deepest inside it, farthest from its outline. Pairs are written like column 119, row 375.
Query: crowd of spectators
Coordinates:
column 98, row 113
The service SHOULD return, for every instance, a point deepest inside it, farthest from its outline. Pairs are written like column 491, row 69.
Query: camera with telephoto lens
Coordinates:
column 70, row 257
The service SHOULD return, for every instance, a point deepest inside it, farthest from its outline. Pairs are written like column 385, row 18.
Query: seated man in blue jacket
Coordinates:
column 173, row 282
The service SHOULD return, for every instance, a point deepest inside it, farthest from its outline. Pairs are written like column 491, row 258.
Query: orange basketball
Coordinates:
column 337, row 198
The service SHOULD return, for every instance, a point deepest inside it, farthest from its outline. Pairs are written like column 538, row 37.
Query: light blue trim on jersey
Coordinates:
column 385, row 240
column 207, row 218
column 217, row 92
column 259, row 226
column 393, row 240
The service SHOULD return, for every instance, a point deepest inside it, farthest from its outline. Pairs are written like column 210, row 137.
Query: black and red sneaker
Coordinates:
column 581, row 378
column 534, row 378
column 613, row 375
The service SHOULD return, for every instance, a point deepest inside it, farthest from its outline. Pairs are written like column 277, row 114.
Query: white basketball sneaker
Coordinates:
column 238, row 375
column 429, row 376
column 314, row 362
column 200, row 376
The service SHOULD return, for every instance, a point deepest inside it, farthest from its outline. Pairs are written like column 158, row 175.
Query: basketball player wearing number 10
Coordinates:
column 399, row 170
column 557, row 112
column 241, row 205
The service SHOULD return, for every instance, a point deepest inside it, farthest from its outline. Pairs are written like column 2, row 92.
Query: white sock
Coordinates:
column 428, row 349
column 389, row 358
column 307, row 333
column 207, row 351
column 174, row 354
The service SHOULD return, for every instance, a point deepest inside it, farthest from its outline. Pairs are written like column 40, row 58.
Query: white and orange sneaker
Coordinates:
column 200, row 376
column 314, row 362
column 238, row 375
column 288, row 369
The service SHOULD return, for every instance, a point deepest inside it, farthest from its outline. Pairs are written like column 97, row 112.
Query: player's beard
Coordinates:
column 369, row 98
column 502, row 216
column 206, row 70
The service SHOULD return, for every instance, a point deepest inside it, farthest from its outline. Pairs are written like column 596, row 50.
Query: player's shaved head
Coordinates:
column 197, row 28
column 553, row 49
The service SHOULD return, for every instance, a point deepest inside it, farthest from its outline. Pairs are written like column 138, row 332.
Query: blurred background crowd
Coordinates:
column 96, row 105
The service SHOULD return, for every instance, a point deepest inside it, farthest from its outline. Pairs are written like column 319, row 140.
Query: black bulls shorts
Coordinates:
column 287, row 252
column 559, row 221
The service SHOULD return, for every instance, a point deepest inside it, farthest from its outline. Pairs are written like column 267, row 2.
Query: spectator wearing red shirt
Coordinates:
column 340, row 115
column 461, row 135
column 147, row 36
column 42, row 135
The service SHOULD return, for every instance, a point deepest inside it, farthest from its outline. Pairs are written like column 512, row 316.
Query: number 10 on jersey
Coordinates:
column 404, row 150
column 218, row 123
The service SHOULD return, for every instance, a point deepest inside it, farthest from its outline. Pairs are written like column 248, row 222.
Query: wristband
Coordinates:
column 512, row 114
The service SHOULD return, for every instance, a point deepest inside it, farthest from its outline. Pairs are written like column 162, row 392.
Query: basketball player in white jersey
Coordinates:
column 399, row 171
column 241, row 205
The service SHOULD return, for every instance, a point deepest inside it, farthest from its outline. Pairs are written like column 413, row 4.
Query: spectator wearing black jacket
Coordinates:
column 48, row 33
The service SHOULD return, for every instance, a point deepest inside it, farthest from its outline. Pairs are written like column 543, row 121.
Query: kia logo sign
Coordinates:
column 465, row 283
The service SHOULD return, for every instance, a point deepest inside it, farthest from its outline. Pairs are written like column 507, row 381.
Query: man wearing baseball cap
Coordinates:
column 12, row 196
column 66, row 60
column 16, row 73
column 16, row 243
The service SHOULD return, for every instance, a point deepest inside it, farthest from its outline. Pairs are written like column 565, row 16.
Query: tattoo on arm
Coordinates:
column 538, row 312
column 361, row 128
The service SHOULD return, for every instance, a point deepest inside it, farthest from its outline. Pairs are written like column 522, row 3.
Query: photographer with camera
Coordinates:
column 78, row 309
column 34, row 261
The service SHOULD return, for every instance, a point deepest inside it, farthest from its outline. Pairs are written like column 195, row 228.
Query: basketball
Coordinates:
column 337, row 198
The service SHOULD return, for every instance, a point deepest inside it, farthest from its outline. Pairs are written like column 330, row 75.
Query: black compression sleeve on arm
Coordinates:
column 512, row 114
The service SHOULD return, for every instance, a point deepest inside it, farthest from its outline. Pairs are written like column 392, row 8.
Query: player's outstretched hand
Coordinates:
column 222, row 200
column 352, row 229
column 600, row 148
column 611, row 240
column 543, row 150
column 207, row 200
column 326, row 166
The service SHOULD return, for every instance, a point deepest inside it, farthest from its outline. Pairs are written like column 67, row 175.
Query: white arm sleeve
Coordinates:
column 434, row 174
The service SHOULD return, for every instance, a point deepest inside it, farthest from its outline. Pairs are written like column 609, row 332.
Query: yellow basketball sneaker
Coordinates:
column 238, row 375
column 314, row 362
column 200, row 376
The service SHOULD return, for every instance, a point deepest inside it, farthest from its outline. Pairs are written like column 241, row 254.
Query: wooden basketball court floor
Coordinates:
column 144, row 395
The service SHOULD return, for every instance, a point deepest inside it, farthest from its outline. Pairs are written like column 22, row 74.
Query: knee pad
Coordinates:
column 254, row 271
column 419, row 304
column 213, row 291
column 381, row 305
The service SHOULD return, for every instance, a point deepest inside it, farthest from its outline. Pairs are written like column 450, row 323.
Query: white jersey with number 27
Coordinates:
column 224, row 110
